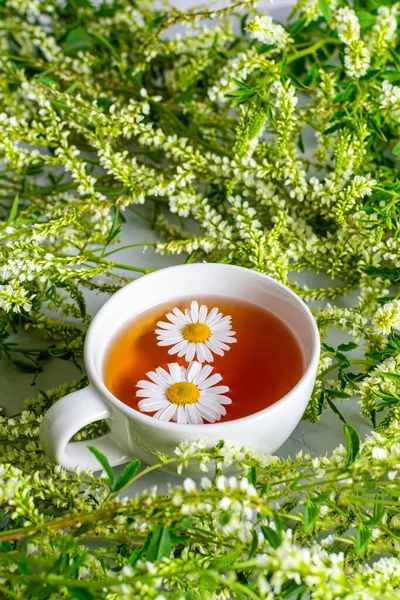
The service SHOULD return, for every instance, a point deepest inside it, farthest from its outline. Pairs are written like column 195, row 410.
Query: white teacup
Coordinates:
column 136, row 435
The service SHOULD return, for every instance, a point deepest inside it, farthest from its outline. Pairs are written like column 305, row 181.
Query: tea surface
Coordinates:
column 260, row 368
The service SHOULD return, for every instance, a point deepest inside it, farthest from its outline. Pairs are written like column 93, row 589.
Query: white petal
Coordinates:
column 200, row 353
column 194, row 309
column 193, row 416
column 188, row 316
column 181, row 346
column 214, row 348
column 190, row 352
column 152, row 405
column 148, row 394
column 215, row 320
column 176, row 320
column 167, row 413
column 148, row 386
column 159, row 376
column 217, row 398
column 181, row 415
column 170, row 342
column 204, row 373
column 203, row 314
column 178, row 313
column 221, row 324
column 216, row 378
column 212, row 314
column 210, row 405
column 193, row 370
column 208, row 353
column 165, row 335
column 164, row 376
column 224, row 400
column 218, row 389
column 207, row 414
column 165, row 325
column 221, row 345
column 177, row 372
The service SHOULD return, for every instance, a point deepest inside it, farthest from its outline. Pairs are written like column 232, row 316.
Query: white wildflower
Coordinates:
column 266, row 31
column 387, row 317
column 357, row 59
column 347, row 25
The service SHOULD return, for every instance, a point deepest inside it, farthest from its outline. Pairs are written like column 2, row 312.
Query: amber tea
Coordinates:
column 204, row 360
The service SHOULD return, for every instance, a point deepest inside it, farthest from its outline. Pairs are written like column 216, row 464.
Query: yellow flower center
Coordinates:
column 196, row 333
column 182, row 393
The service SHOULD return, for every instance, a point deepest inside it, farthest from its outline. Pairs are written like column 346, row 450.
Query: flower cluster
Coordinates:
column 265, row 30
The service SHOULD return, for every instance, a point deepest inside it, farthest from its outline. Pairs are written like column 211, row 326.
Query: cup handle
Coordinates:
column 65, row 418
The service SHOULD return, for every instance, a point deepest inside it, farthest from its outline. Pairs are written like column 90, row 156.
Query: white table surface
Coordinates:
column 315, row 438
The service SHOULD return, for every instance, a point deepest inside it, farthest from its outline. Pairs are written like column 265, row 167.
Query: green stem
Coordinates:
column 312, row 49
column 111, row 264
column 352, row 362
column 127, row 247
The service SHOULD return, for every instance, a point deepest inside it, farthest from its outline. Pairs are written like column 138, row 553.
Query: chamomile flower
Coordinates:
column 184, row 395
column 196, row 332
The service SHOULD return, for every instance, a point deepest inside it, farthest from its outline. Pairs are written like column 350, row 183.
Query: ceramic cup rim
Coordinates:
column 133, row 414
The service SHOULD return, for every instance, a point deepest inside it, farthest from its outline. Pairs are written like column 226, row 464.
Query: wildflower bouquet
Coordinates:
column 240, row 140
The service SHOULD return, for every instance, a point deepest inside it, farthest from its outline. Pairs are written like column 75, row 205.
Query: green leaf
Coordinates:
column 228, row 558
column 127, row 475
column 298, row 83
column 347, row 94
column 337, row 394
column 328, row 348
column 392, row 376
column 13, row 210
column 290, row 588
column 103, row 460
column 187, row 95
column 74, row 566
column 77, row 41
column 374, row 126
column 81, row 593
column 24, row 566
column 254, row 544
column 252, row 476
column 365, row 18
column 334, row 127
column 347, row 347
column 396, row 149
column 335, row 409
column 310, row 516
column 208, row 585
column 362, row 538
column 325, row 9
column 297, row 26
column 138, row 553
column 343, row 359
column 272, row 536
column 159, row 545
column 106, row 43
column 300, row 143
column 353, row 443
column 26, row 367
column 312, row 74
column 379, row 511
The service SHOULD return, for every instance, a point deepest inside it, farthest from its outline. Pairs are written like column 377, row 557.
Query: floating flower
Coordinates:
column 196, row 332
column 184, row 395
